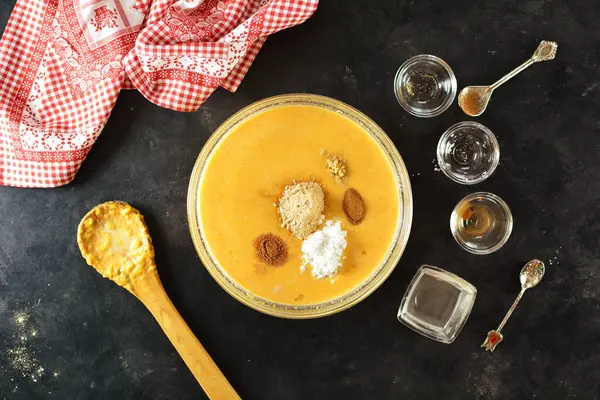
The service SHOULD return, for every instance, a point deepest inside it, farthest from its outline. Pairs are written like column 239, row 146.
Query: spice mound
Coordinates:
column 301, row 208
column 336, row 166
column 271, row 249
column 354, row 206
column 323, row 250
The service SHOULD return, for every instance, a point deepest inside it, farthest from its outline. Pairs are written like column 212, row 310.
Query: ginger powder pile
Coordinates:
column 301, row 208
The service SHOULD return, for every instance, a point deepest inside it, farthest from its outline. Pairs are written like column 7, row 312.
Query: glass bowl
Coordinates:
column 355, row 295
column 437, row 304
column 425, row 86
column 468, row 153
column 481, row 223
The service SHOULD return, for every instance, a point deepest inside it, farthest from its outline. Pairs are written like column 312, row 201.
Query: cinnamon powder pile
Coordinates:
column 354, row 206
column 271, row 249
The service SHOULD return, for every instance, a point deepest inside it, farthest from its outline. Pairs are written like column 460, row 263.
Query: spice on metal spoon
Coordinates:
column 472, row 101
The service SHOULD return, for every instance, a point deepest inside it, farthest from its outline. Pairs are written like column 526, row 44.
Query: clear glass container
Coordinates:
column 468, row 153
column 355, row 294
column 481, row 223
column 437, row 304
column 425, row 86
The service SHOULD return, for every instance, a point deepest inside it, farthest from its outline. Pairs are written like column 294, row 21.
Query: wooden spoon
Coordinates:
column 114, row 239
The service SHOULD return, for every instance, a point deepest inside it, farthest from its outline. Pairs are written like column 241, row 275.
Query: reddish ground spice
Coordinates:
column 271, row 249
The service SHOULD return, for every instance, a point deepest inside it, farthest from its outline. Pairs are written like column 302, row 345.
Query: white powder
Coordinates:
column 323, row 250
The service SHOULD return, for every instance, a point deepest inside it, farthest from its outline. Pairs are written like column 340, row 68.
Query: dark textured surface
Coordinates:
column 102, row 343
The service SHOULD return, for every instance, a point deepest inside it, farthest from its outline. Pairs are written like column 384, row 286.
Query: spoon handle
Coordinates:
column 510, row 310
column 544, row 52
column 512, row 73
column 192, row 352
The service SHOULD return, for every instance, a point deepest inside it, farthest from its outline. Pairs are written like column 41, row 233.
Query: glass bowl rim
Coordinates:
column 355, row 295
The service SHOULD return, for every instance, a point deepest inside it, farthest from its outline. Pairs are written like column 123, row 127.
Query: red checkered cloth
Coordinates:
column 63, row 64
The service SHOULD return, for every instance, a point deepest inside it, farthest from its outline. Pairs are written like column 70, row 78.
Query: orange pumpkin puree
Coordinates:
column 113, row 238
column 246, row 175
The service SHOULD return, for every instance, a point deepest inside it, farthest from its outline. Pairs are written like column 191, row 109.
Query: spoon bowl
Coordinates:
column 115, row 241
column 532, row 273
column 473, row 100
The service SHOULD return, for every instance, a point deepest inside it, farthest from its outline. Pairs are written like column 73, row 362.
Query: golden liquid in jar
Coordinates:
column 476, row 220
column 481, row 223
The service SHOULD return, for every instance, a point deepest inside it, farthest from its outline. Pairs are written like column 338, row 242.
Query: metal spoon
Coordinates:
column 473, row 100
column 531, row 274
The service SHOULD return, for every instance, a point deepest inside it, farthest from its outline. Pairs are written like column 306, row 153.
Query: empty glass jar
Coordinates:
column 468, row 153
column 437, row 304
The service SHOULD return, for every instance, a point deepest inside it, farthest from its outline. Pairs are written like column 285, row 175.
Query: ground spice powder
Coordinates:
column 354, row 206
column 271, row 249
column 336, row 166
column 472, row 103
column 301, row 208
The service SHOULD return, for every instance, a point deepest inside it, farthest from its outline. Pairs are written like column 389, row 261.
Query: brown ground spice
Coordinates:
column 354, row 206
column 301, row 208
column 271, row 249
column 472, row 102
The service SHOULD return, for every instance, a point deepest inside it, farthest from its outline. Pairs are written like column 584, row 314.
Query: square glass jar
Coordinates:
column 437, row 304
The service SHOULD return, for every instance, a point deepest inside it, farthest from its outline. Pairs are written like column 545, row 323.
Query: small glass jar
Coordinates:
column 468, row 153
column 481, row 223
column 437, row 304
column 425, row 86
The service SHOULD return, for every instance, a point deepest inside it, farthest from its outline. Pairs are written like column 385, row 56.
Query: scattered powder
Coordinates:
column 271, row 249
column 323, row 250
column 436, row 166
column 354, row 206
column 21, row 353
column 21, row 318
column 301, row 208
column 21, row 356
column 24, row 363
